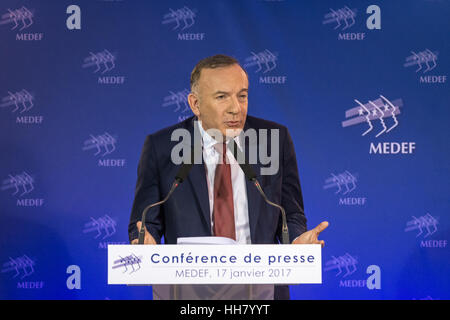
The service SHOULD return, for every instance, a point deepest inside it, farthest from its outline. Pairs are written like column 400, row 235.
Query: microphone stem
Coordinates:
column 284, row 230
column 144, row 214
column 252, row 177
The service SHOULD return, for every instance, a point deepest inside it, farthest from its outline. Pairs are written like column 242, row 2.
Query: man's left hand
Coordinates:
column 312, row 236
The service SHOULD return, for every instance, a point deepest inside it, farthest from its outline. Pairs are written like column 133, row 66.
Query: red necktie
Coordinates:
column 223, row 208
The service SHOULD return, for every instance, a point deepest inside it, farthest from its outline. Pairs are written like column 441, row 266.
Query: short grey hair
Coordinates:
column 216, row 61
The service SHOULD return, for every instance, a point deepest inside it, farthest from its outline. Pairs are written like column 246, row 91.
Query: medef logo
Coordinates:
column 344, row 21
column 103, row 228
column 103, row 145
column 18, row 20
column 424, row 62
column 20, row 103
column 341, row 19
column 379, row 117
column 103, row 62
column 178, row 101
column 264, row 62
column 180, row 20
column 21, row 185
column 130, row 264
column 345, row 266
column 425, row 226
column 344, row 184
column 20, row 268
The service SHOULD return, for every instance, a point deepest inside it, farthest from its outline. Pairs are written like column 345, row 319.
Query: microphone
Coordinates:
column 179, row 178
column 251, row 176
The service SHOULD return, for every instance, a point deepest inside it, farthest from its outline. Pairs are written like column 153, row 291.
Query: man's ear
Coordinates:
column 194, row 103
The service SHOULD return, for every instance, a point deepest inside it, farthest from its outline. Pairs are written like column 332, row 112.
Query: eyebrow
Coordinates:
column 225, row 92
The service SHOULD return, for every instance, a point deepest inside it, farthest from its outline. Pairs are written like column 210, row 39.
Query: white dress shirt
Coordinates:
column 211, row 157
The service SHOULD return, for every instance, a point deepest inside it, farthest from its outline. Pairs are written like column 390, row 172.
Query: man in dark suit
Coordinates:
column 216, row 199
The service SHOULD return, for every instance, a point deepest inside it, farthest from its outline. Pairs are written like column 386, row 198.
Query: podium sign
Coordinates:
column 214, row 264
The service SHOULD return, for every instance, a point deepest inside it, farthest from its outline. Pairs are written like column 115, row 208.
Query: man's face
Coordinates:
column 220, row 99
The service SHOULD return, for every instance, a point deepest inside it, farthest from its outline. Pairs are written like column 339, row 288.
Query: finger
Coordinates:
column 149, row 239
column 139, row 226
column 322, row 226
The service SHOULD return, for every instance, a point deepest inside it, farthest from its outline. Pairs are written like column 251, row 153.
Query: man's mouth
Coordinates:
column 233, row 124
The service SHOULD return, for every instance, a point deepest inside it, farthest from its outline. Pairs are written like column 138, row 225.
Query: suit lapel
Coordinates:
column 197, row 179
column 253, row 197
column 197, row 176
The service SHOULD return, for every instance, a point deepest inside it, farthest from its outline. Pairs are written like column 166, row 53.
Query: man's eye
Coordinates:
column 220, row 97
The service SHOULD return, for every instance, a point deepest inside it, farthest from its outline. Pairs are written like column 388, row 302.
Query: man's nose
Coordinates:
column 235, row 106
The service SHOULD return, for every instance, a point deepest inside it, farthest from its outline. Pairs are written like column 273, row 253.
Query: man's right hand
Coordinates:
column 148, row 239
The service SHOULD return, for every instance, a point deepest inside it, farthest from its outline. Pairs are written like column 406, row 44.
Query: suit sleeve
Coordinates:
column 291, row 195
column 147, row 192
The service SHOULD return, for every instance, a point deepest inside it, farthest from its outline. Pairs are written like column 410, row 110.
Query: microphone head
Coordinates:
column 183, row 172
column 186, row 167
column 239, row 156
column 248, row 171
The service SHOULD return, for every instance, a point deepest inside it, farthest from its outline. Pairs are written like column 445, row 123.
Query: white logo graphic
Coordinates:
column 105, row 143
column 345, row 262
column 426, row 223
column 378, row 109
column 19, row 17
column 21, row 100
column 344, row 182
column 265, row 60
column 183, row 18
column 101, row 60
column 103, row 224
column 179, row 99
column 425, row 60
column 20, row 265
column 21, row 182
column 343, row 18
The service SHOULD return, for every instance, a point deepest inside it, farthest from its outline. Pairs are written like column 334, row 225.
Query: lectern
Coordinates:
column 214, row 271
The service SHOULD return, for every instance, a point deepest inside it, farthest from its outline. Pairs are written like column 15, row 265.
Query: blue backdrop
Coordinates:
column 361, row 85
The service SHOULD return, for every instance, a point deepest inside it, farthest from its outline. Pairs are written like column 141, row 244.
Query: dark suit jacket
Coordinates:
column 187, row 212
